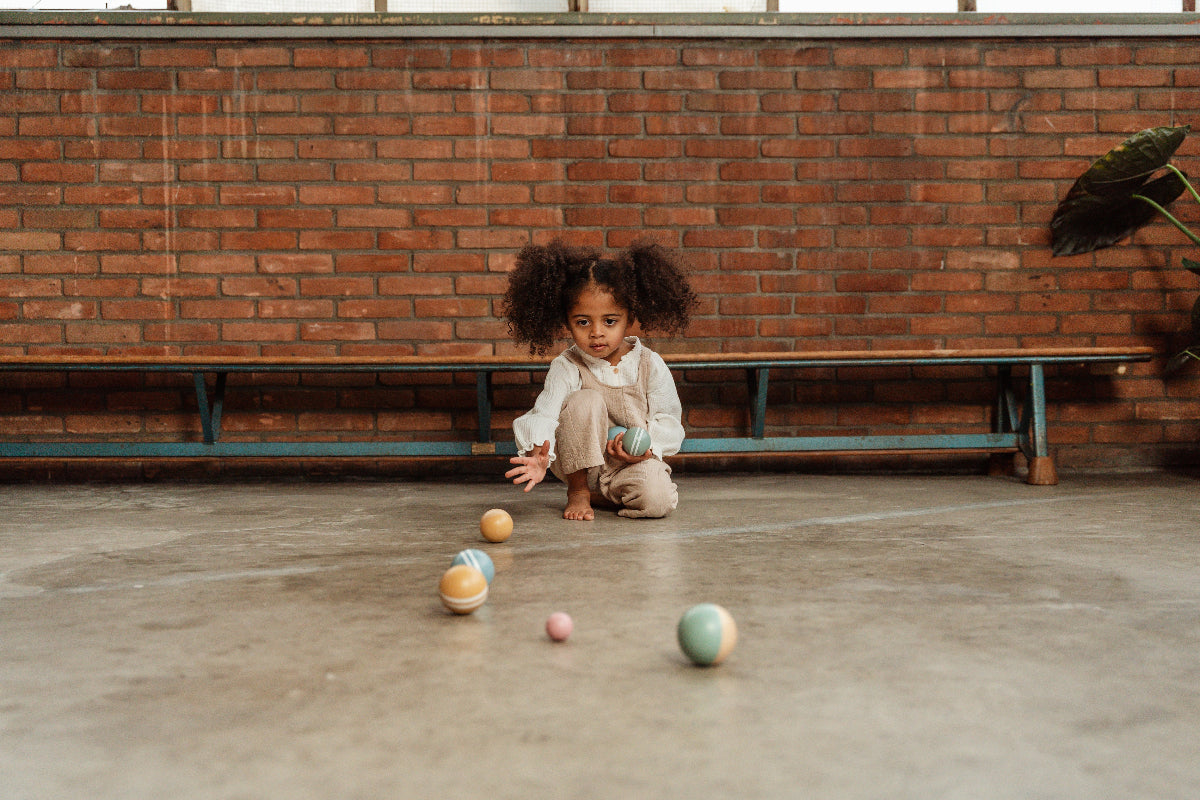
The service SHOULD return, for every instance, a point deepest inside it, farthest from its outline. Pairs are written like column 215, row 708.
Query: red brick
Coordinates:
column 494, row 194
column 217, row 217
column 760, row 125
column 448, row 262
column 330, row 57
column 645, row 148
column 416, row 240
column 57, row 219
column 299, row 263
column 361, row 308
column 176, row 56
column 606, row 171
column 625, row 102
column 336, row 240
column 210, row 263
column 258, row 287
column 605, row 217
column 306, row 218
column 450, row 218
column 136, row 309
column 259, row 331
column 253, row 56
column 258, row 195
column 372, row 262
column 175, row 287
column 450, row 171
column 415, row 330
column 258, row 240
column 336, row 286
column 216, row 309
column 657, row 194
column 58, row 309
column 682, row 124
column 1135, row 76
column 336, row 331
column 527, row 217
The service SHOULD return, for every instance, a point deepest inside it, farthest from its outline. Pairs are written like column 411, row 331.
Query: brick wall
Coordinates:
column 294, row 197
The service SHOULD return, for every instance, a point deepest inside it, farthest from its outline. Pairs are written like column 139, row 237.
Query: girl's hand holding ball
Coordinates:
column 631, row 446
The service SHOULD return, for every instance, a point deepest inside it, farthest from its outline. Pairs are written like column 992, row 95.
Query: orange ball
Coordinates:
column 463, row 588
column 496, row 525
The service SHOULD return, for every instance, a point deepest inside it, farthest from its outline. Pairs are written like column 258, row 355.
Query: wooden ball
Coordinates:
column 479, row 560
column 636, row 441
column 496, row 525
column 559, row 626
column 707, row 634
column 463, row 589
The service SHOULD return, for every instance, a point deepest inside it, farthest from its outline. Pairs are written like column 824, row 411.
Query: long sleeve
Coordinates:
column 540, row 423
column 666, row 411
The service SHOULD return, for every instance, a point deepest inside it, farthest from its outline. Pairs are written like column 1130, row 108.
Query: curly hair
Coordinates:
column 646, row 279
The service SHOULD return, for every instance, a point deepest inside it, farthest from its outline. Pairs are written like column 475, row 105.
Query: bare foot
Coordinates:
column 579, row 506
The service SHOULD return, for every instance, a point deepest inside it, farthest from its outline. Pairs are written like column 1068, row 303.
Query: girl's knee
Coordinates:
column 584, row 401
column 652, row 495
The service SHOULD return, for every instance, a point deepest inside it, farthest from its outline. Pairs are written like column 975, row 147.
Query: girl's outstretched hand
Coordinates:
column 530, row 469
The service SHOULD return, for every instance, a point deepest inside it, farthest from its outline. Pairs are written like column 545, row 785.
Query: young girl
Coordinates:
column 605, row 378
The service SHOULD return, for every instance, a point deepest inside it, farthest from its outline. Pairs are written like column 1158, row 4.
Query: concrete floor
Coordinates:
column 901, row 637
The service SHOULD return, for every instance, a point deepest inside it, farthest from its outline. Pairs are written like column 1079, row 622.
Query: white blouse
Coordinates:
column 666, row 412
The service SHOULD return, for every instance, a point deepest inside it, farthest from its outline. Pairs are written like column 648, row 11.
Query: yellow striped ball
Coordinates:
column 463, row 588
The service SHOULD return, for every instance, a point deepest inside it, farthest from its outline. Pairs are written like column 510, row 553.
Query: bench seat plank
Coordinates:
column 215, row 363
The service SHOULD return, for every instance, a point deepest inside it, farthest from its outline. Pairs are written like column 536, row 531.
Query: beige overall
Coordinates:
column 641, row 490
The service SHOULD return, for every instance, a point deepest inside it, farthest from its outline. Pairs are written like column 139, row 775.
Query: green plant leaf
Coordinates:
column 1100, row 210
column 1191, row 266
column 1124, row 168
column 1086, row 222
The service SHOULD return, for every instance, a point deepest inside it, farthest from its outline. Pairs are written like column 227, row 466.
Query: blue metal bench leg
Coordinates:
column 1034, row 442
column 1006, row 419
column 483, row 402
column 756, row 382
column 210, row 411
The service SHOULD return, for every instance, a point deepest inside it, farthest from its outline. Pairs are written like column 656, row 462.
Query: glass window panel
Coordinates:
column 83, row 5
column 1079, row 6
column 285, row 6
column 673, row 6
column 474, row 6
column 870, row 6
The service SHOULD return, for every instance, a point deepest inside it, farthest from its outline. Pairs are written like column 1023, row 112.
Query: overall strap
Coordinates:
column 627, row 405
column 644, row 366
column 585, row 372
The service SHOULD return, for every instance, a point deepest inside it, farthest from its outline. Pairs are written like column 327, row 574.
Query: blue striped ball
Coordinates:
column 636, row 441
column 479, row 560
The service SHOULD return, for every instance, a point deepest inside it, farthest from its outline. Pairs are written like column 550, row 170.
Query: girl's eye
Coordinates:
column 611, row 321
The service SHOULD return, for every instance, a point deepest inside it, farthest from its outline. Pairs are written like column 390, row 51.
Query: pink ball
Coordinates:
column 559, row 626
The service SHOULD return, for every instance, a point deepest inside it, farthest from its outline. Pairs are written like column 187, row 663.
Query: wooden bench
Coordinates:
column 1017, row 424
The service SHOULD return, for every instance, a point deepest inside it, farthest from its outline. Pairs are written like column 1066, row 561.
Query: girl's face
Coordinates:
column 598, row 323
